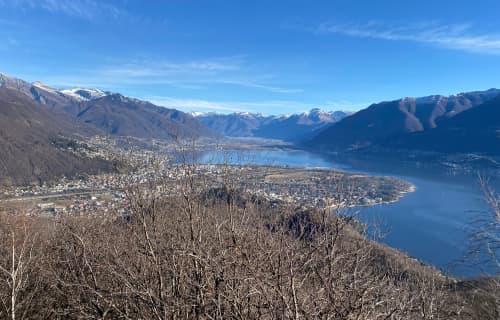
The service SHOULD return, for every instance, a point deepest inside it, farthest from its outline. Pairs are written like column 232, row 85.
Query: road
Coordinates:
column 55, row 196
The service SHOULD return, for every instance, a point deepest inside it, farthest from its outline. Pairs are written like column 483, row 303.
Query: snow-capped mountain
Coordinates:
column 111, row 113
column 44, row 87
column 51, row 96
column 84, row 94
column 290, row 127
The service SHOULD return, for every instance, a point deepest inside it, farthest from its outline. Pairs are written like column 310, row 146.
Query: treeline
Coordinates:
column 218, row 254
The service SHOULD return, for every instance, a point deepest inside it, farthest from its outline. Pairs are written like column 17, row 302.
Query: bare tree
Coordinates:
column 194, row 247
column 21, row 256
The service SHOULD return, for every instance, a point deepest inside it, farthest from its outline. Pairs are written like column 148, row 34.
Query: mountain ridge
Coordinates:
column 112, row 113
column 382, row 122
column 473, row 130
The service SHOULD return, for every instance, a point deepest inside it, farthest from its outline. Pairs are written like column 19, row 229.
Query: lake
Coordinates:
column 432, row 224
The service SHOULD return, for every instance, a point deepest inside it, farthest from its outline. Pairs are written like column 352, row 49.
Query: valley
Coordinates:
column 335, row 160
column 381, row 178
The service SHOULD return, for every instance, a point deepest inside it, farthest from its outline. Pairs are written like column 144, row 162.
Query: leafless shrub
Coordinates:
column 204, row 253
column 484, row 253
column 22, row 254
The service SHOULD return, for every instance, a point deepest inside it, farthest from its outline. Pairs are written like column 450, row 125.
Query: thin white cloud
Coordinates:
column 451, row 36
column 85, row 9
column 156, row 68
column 266, row 107
column 191, row 104
column 261, row 86
column 346, row 105
column 193, row 75
column 196, row 104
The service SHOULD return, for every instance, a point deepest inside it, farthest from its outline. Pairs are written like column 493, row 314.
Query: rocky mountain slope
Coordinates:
column 112, row 113
column 122, row 116
column 476, row 130
column 391, row 123
column 35, row 142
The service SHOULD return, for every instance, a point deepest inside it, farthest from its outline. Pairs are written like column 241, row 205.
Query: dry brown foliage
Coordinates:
column 214, row 255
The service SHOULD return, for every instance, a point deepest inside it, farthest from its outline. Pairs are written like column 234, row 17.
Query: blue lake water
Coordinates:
column 431, row 224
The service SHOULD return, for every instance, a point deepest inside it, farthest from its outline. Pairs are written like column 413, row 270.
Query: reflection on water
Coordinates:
column 431, row 224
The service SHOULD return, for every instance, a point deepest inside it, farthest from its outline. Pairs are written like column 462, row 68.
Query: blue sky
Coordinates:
column 272, row 57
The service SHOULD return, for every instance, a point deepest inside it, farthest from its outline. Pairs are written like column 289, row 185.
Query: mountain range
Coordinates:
column 294, row 127
column 474, row 130
column 38, row 124
column 465, row 123
column 112, row 113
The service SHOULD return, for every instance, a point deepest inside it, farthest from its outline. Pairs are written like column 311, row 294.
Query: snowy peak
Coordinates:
column 289, row 127
column 315, row 115
column 240, row 114
column 44, row 87
column 84, row 94
column 198, row 114
column 319, row 115
column 78, row 94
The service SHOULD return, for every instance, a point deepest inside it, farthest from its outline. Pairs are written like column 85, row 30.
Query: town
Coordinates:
column 107, row 193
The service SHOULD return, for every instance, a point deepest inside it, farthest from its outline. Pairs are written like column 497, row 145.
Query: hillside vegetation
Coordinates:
column 36, row 143
column 218, row 254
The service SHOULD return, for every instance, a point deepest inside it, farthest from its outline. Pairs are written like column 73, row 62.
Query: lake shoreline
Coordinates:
column 430, row 222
